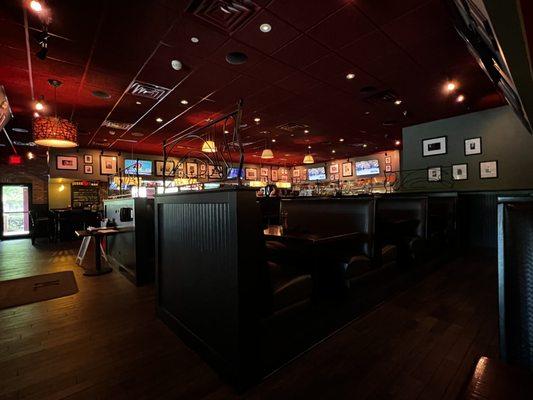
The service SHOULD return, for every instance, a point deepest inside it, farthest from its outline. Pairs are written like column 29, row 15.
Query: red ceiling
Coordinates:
column 294, row 74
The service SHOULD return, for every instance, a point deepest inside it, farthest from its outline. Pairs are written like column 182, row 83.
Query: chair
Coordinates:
column 39, row 226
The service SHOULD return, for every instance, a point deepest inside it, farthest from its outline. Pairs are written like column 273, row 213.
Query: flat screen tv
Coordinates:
column 367, row 167
column 232, row 173
column 144, row 167
column 316, row 174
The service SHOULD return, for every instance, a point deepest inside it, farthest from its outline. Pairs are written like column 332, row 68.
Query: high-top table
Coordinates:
column 99, row 234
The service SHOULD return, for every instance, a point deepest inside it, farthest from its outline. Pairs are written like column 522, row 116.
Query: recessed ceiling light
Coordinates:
column 364, row 145
column 397, row 143
column 350, row 76
column 450, row 86
column 138, row 103
column 265, row 28
column 101, row 94
column 184, row 102
column 367, row 112
column 306, row 131
column 309, row 146
column 35, row 114
column 176, row 64
column 460, row 98
column 273, row 140
column 39, row 106
column 30, row 155
column 36, row 6
column 341, row 140
column 257, row 119
column 226, row 131
column 112, row 133
column 19, row 130
column 159, row 120
column 194, row 39
column 398, row 102
column 333, row 151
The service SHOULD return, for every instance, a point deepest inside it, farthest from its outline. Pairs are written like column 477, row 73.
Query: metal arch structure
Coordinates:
column 223, row 154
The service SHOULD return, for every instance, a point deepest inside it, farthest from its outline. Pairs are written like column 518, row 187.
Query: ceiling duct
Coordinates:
column 293, row 127
column 225, row 15
column 148, row 90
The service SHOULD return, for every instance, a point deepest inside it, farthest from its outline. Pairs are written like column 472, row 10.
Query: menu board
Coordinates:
column 85, row 194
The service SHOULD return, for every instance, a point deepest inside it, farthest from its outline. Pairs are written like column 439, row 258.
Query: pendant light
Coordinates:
column 267, row 153
column 209, row 145
column 54, row 131
column 308, row 159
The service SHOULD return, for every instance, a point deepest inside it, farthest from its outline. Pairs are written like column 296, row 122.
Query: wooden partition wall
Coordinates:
column 208, row 274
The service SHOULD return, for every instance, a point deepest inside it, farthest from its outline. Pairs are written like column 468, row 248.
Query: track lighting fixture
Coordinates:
column 42, row 39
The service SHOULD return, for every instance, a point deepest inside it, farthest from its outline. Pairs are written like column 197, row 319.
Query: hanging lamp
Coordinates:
column 308, row 159
column 54, row 131
column 267, row 153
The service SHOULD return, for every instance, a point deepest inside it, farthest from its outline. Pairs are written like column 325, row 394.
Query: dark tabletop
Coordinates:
column 276, row 233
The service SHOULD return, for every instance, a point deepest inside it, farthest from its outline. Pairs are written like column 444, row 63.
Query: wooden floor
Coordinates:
column 105, row 341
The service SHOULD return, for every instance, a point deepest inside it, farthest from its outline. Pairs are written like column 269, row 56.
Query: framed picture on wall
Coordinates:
column 88, row 169
column 251, row 174
column 434, row 174
column 334, row 169
column 387, row 160
column 488, row 169
column 472, row 146
column 88, row 159
column 69, row 163
column 347, row 169
column 460, row 172
column 264, row 171
column 388, row 168
column 214, row 171
column 108, row 165
column 434, row 146
column 274, row 173
column 295, row 173
column 169, row 168
column 203, row 170
column 192, row 170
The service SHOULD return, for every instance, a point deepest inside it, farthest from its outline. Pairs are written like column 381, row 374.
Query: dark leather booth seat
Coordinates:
column 269, row 207
column 442, row 221
column 515, row 279
column 402, row 221
column 337, row 216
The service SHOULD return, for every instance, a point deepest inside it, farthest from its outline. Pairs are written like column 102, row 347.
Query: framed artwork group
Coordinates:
column 459, row 172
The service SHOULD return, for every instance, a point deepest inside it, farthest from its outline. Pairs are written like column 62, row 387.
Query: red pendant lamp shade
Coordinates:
column 54, row 132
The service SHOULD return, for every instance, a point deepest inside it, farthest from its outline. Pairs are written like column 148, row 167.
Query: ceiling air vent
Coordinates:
column 225, row 15
column 117, row 125
column 148, row 90
column 293, row 127
column 383, row 97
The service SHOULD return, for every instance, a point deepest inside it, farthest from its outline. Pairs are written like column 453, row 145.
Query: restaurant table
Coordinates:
column 276, row 232
column 317, row 252
column 496, row 380
column 99, row 234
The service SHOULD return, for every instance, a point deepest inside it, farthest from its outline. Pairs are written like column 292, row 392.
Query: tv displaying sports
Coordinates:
column 316, row 174
column 144, row 167
column 232, row 173
column 367, row 167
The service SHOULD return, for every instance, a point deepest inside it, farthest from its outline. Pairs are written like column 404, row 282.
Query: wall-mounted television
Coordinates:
column 316, row 174
column 233, row 172
column 143, row 166
column 367, row 167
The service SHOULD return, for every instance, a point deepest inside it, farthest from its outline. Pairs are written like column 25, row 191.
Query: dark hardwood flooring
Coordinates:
column 106, row 343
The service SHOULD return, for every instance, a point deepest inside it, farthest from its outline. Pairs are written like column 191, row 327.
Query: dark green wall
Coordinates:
column 503, row 139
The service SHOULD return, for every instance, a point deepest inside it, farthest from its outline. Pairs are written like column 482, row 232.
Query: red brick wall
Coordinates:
column 32, row 171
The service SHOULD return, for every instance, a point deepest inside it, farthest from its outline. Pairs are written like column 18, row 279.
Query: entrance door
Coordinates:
column 15, row 210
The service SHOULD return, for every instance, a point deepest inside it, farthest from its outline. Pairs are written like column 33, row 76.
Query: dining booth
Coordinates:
column 249, row 298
